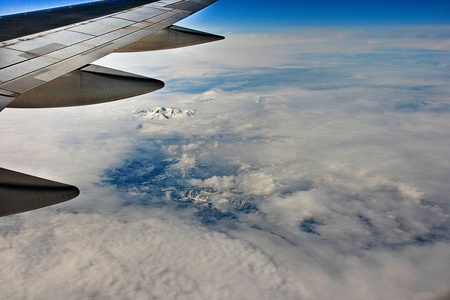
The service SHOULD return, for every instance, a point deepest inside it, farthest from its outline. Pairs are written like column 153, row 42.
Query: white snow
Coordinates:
column 161, row 113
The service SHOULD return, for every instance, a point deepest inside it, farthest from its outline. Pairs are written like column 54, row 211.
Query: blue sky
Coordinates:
column 266, row 14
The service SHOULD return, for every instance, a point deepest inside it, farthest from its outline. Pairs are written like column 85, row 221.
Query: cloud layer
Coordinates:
column 315, row 167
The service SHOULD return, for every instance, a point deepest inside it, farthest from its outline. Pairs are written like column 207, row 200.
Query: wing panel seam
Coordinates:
column 156, row 26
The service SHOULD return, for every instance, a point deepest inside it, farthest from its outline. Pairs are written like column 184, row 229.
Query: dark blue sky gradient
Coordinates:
column 8, row 7
column 270, row 14
column 267, row 13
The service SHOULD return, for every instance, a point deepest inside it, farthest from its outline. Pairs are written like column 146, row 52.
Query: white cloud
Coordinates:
column 315, row 167
column 90, row 256
column 257, row 184
column 279, row 50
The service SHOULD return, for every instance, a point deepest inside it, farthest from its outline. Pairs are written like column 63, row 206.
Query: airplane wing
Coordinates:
column 45, row 61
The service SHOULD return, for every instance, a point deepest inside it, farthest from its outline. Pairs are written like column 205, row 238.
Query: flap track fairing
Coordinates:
column 21, row 192
column 171, row 37
column 89, row 85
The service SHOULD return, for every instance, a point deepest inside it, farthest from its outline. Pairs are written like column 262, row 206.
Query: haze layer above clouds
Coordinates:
column 311, row 165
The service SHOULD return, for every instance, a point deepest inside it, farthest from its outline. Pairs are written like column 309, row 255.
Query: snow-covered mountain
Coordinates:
column 161, row 113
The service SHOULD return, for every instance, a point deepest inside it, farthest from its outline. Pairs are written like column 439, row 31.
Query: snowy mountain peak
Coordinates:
column 161, row 113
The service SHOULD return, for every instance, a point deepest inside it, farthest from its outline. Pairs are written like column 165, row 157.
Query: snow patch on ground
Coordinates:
column 161, row 113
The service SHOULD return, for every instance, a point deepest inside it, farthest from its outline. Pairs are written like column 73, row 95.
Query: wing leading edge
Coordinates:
column 45, row 61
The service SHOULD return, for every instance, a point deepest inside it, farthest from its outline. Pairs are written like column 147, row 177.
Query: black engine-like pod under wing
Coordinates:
column 21, row 192
column 171, row 37
column 88, row 85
